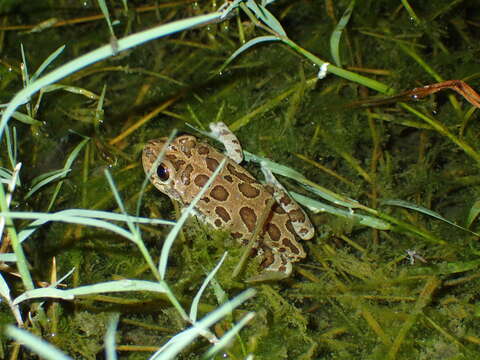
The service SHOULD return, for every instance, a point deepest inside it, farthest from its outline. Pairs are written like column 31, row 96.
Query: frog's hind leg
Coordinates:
column 233, row 149
column 300, row 221
column 276, row 266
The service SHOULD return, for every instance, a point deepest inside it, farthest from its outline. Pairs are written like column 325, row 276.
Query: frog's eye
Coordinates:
column 162, row 172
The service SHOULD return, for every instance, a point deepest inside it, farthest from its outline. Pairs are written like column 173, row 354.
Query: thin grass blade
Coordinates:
column 47, row 62
column 317, row 206
column 267, row 17
column 196, row 299
column 45, row 179
column 26, row 119
column 105, row 287
column 68, row 165
column 102, row 53
column 185, row 338
column 337, row 34
column 162, row 266
column 421, row 209
column 109, row 339
column 40, row 347
column 228, row 337
column 473, row 213
column 246, row 46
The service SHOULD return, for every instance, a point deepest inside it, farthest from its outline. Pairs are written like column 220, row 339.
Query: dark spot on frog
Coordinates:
column 200, row 180
column 219, row 193
column 249, row 218
column 286, row 242
column 212, row 164
column 248, row 190
column 223, row 213
column 203, row 150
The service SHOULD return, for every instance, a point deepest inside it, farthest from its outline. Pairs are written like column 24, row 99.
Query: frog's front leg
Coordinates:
column 300, row 221
column 233, row 149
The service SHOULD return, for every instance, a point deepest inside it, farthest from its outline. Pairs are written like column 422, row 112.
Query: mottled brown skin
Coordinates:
column 235, row 200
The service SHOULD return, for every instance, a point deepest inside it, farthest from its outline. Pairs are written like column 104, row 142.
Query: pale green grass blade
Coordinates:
column 196, row 299
column 43, row 218
column 317, row 207
column 162, row 266
column 5, row 175
column 246, row 46
column 473, row 213
column 5, row 293
column 47, row 62
column 8, row 257
column 35, row 344
column 185, row 338
column 102, row 53
column 4, row 289
column 45, row 179
column 421, row 209
column 309, row 185
column 105, row 287
column 157, row 161
column 228, row 337
column 264, row 15
column 337, row 34
column 133, row 229
column 109, row 339
column 68, row 165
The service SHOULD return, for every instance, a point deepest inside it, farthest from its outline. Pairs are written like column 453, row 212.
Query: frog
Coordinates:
column 236, row 201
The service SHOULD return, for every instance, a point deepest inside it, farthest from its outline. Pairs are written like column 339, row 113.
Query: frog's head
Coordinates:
column 163, row 161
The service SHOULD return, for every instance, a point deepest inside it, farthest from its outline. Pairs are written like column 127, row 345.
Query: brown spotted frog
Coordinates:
column 235, row 200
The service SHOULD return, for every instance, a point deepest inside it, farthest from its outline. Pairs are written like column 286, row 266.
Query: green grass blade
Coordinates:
column 196, row 299
column 102, row 53
column 264, row 15
column 146, row 180
column 473, row 213
column 42, row 218
column 105, row 287
column 45, row 179
column 246, row 46
column 26, row 119
column 421, row 209
column 228, row 337
column 40, row 347
column 45, row 217
column 106, row 14
column 317, row 206
column 162, row 266
column 68, row 165
column 337, row 34
column 47, row 62
column 185, row 338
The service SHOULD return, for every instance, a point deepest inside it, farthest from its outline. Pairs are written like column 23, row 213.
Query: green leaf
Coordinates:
column 246, row 46
column 425, row 211
column 267, row 17
column 337, row 34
